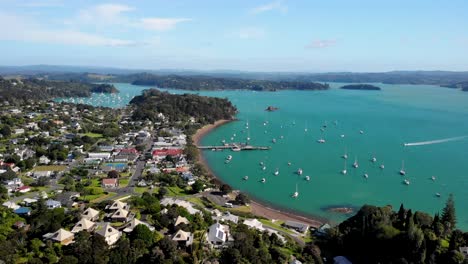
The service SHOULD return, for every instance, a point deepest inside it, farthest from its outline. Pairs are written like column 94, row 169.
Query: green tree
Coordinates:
column 5, row 131
column 242, row 198
column 143, row 233
column 198, row 186
column 448, row 214
column 225, row 189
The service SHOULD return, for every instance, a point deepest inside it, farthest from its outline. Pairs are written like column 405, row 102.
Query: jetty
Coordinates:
column 235, row 147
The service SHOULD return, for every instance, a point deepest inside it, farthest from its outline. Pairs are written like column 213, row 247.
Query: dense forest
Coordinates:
column 104, row 88
column 181, row 107
column 381, row 235
column 17, row 91
column 360, row 87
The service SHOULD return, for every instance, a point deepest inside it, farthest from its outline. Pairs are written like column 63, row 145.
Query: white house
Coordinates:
column 118, row 205
column 181, row 220
column 52, row 204
column 44, row 160
column 39, row 174
column 62, row 236
column 83, row 225
column 11, row 205
column 182, row 203
column 182, row 237
column 120, row 215
column 110, row 234
column 132, row 224
column 90, row 214
column 99, row 155
column 254, row 223
column 218, row 234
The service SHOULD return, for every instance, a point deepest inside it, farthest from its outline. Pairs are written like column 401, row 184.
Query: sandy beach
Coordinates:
column 257, row 208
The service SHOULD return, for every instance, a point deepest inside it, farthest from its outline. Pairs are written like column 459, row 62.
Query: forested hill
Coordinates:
column 197, row 83
column 181, row 107
column 17, row 91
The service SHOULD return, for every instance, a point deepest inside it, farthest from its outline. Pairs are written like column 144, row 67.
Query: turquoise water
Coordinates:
column 398, row 114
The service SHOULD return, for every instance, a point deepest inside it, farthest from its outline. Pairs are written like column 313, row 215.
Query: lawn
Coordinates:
column 196, row 200
column 175, row 191
column 102, row 197
column 276, row 225
column 50, row 168
column 93, row 135
column 141, row 190
column 123, row 182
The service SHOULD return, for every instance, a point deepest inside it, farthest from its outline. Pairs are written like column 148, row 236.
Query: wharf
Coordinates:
column 234, row 147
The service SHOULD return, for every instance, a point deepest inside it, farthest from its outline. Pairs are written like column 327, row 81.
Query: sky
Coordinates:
column 247, row 35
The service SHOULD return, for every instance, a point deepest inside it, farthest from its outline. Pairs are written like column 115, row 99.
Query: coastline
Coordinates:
column 258, row 208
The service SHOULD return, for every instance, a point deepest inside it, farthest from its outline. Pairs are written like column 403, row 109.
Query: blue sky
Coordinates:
column 270, row 35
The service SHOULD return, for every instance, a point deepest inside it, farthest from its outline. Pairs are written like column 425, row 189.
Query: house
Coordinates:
column 106, row 148
column 142, row 183
column 110, row 183
column 110, row 234
column 24, row 189
column 99, row 155
column 120, row 215
column 52, row 204
column 11, row 205
column 68, row 199
column 254, row 223
column 62, row 236
column 464, row 251
column 181, row 220
column 299, row 227
column 18, row 131
column 322, row 230
column 226, row 217
column 15, row 183
column 183, row 238
column 132, row 224
column 23, row 211
column 90, row 214
column 39, row 174
column 44, row 160
column 295, row 261
column 84, row 225
column 218, row 234
column 29, row 201
column 160, row 154
column 118, row 205
column 182, row 203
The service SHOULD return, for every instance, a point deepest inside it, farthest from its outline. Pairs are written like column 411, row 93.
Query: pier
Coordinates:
column 234, row 147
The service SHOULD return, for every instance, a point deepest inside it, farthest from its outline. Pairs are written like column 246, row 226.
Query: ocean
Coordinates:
column 365, row 125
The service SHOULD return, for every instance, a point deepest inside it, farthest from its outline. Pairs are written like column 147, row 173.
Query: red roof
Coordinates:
column 109, row 181
column 22, row 188
column 182, row 169
column 129, row 150
column 167, row 152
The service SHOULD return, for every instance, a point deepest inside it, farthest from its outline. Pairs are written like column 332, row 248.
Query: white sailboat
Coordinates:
column 344, row 171
column 355, row 164
column 307, row 178
column 246, row 177
column 276, row 173
column 382, row 166
column 433, row 178
column 263, row 180
column 374, row 159
column 402, row 171
column 406, row 182
column 366, row 175
column 345, row 155
column 299, row 171
column 296, row 193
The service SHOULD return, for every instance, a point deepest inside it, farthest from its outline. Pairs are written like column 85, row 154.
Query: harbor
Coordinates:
column 234, row 147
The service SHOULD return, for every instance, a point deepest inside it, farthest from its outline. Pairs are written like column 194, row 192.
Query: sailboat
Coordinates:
column 296, row 193
column 382, row 166
column 246, row 177
column 345, row 155
column 344, row 171
column 366, row 175
column 433, row 178
column 374, row 159
column 299, row 171
column 402, row 171
column 263, row 180
column 276, row 172
column 355, row 164
column 406, row 181
column 307, row 178
column 305, row 129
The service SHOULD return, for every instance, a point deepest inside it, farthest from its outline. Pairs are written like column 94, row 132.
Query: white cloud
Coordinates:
column 321, row 43
column 275, row 5
column 250, row 33
column 161, row 24
column 16, row 28
column 103, row 14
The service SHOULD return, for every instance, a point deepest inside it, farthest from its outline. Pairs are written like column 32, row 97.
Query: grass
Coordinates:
column 141, row 190
column 93, row 135
column 101, row 197
column 276, row 225
column 123, row 182
column 95, row 183
column 50, row 168
column 175, row 191
column 196, row 200
column 241, row 209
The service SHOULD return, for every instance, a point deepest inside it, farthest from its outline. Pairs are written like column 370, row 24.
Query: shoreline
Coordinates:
column 258, row 208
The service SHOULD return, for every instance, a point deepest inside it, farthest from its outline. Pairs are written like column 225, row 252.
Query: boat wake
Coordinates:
column 434, row 141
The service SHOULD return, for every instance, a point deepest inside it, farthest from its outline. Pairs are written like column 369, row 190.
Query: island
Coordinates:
column 271, row 108
column 361, row 87
column 104, row 88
